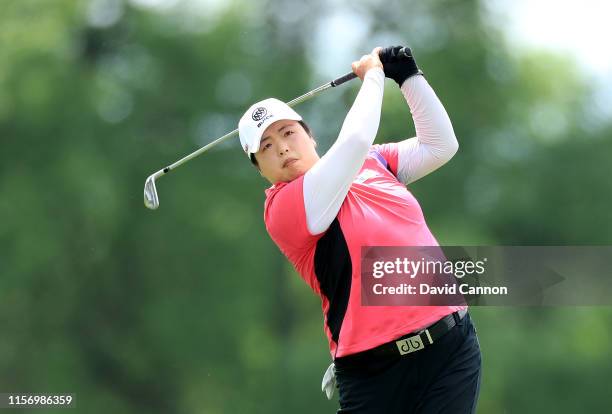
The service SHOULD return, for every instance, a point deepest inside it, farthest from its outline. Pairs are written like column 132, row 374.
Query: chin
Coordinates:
column 292, row 176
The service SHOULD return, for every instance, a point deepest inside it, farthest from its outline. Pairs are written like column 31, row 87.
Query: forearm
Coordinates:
column 328, row 181
column 435, row 142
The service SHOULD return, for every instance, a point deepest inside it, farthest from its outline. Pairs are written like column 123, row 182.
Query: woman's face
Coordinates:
column 286, row 152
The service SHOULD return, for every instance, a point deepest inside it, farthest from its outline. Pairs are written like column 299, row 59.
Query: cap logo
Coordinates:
column 246, row 148
column 259, row 113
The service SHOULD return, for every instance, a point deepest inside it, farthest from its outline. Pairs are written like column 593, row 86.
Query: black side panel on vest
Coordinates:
column 333, row 269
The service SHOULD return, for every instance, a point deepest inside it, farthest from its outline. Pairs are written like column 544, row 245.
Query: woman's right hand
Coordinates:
column 367, row 62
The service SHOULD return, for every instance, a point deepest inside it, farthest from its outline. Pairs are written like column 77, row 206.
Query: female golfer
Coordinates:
column 320, row 211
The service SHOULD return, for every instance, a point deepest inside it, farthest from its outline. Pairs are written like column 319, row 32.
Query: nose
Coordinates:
column 283, row 149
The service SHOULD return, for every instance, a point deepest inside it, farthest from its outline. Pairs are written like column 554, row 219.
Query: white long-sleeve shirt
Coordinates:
column 327, row 183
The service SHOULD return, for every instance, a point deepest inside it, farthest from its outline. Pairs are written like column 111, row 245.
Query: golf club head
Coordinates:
column 150, row 193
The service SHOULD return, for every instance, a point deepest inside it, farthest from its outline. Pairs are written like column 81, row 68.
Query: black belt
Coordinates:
column 409, row 343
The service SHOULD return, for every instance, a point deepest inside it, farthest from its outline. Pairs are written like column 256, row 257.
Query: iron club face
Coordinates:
column 150, row 193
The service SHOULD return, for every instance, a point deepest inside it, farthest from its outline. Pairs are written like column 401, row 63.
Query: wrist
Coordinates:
column 375, row 71
column 405, row 81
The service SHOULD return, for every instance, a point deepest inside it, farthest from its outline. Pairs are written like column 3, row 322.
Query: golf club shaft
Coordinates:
column 299, row 99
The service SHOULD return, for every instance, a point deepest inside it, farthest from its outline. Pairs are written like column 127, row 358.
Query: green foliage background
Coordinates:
column 191, row 309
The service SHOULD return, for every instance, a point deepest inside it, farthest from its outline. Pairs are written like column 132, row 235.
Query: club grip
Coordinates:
column 405, row 52
column 342, row 79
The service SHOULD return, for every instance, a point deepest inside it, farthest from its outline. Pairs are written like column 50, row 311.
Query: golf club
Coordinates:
column 151, row 200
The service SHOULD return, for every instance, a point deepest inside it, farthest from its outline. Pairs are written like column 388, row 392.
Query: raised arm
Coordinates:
column 328, row 181
column 435, row 143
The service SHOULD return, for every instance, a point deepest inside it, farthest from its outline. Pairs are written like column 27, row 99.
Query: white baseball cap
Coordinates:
column 260, row 116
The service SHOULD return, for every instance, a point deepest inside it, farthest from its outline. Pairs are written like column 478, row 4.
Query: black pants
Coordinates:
column 443, row 378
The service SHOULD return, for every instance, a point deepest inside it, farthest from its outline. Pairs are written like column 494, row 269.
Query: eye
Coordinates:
column 288, row 132
column 266, row 146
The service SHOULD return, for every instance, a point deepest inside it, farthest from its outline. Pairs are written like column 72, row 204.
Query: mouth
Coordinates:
column 289, row 161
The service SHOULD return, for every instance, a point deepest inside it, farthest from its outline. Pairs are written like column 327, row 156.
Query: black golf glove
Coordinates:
column 398, row 63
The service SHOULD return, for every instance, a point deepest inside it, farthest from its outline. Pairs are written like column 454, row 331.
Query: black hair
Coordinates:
column 302, row 123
